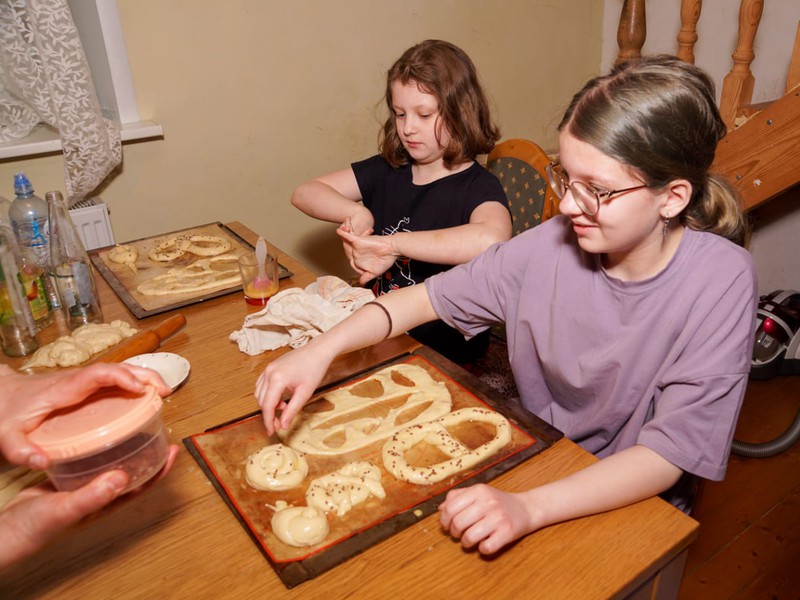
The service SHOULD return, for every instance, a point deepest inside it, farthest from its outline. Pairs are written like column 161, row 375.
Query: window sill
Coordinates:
column 44, row 140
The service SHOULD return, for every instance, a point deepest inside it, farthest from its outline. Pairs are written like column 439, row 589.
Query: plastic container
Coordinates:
column 111, row 429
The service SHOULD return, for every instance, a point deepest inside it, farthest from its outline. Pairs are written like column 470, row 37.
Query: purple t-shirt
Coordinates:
column 662, row 363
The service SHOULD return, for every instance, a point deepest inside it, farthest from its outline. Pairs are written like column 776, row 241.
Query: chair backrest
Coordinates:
column 520, row 166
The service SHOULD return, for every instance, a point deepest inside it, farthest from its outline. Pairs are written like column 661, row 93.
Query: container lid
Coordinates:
column 105, row 418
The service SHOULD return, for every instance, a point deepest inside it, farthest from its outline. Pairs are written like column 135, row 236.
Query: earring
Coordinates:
column 666, row 226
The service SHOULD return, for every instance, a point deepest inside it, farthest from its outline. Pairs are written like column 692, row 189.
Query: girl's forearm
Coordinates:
column 624, row 478
column 321, row 201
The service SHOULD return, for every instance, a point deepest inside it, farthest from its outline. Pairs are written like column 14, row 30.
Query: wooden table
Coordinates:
column 178, row 539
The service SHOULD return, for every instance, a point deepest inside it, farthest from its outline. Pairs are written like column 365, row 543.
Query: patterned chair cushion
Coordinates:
column 525, row 190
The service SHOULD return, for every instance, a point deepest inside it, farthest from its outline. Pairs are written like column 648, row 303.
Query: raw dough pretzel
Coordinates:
column 276, row 467
column 436, row 434
column 204, row 245
column 166, row 250
column 341, row 490
column 124, row 255
column 299, row 525
column 203, row 274
column 318, row 433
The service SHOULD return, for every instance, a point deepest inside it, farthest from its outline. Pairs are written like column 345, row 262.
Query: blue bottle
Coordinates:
column 28, row 214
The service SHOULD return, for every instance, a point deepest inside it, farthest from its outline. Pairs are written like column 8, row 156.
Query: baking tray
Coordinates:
column 221, row 452
column 124, row 281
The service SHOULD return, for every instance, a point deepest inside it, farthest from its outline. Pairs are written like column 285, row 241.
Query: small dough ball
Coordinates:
column 276, row 467
column 299, row 525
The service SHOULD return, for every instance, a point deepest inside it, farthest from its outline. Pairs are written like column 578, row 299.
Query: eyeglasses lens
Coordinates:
column 583, row 195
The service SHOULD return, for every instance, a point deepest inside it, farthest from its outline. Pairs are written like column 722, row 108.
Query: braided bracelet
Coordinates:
column 388, row 316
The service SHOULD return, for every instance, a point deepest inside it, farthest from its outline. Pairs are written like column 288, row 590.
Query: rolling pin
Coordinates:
column 142, row 342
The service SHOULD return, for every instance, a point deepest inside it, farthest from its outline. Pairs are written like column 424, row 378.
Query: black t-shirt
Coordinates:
column 398, row 205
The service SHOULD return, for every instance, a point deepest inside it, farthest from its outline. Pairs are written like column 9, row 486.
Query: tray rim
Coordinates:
column 130, row 301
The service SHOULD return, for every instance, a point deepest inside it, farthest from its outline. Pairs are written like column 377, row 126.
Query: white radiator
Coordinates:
column 93, row 223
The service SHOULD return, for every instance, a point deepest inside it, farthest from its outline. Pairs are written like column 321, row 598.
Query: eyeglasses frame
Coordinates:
column 599, row 194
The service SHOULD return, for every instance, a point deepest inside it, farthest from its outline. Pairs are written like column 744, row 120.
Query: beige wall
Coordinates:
column 256, row 96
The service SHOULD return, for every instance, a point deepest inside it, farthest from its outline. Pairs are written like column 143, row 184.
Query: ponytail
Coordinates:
column 717, row 209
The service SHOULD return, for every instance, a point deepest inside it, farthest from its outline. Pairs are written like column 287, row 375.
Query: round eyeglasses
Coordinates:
column 587, row 197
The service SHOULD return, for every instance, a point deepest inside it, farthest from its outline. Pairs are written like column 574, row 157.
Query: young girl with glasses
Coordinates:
column 423, row 204
column 629, row 317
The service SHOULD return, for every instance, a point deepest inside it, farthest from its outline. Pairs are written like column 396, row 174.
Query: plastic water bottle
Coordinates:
column 28, row 273
column 70, row 266
column 28, row 215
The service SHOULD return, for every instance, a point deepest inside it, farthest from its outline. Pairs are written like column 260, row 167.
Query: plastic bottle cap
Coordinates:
column 105, row 418
column 21, row 184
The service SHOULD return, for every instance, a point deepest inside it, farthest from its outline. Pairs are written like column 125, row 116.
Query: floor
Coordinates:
column 749, row 541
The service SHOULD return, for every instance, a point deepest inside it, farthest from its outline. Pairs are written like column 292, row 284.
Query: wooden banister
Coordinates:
column 687, row 37
column 793, row 77
column 632, row 30
column 737, row 87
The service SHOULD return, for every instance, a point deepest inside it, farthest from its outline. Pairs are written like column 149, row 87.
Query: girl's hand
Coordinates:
column 361, row 222
column 296, row 374
column 485, row 516
column 370, row 255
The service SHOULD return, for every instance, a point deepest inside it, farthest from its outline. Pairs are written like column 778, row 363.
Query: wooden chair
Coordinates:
column 760, row 154
column 520, row 166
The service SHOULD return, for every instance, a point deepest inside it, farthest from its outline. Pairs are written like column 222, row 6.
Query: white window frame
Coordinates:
column 99, row 27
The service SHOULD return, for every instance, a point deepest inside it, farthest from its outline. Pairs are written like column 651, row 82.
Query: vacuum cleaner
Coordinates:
column 776, row 352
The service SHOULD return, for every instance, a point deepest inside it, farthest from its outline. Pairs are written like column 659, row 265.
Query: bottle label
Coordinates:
column 32, row 280
column 32, row 234
column 76, row 289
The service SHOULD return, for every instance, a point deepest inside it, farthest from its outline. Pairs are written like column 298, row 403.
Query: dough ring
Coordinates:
column 343, row 489
column 276, row 467
column 204, row 245
column 166, row 250
column 299, row 525
column 124, row 255
column 436, row 434
column 408, row 392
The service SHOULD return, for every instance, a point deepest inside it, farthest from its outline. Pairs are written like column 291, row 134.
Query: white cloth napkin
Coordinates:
column 294, row 316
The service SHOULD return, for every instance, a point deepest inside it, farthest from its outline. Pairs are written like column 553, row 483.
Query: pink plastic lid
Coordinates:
column 102, row 420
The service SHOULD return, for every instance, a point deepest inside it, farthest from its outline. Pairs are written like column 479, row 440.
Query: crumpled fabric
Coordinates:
column 294, row 316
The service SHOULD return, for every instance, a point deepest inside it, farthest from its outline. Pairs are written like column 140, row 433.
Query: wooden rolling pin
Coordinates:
column 142, row 342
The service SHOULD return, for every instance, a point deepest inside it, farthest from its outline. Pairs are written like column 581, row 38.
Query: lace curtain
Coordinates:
column 44, row 78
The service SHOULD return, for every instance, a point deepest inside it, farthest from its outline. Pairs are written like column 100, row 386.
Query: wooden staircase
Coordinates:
column 761, row 153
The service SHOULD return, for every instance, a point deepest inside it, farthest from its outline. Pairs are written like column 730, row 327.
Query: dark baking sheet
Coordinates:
column 119, row 279
column 222, row 451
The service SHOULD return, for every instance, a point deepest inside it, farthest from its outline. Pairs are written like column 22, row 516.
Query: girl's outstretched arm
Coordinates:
column 288, row 382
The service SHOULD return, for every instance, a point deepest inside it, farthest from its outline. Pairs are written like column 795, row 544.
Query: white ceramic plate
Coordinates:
column 173, row 368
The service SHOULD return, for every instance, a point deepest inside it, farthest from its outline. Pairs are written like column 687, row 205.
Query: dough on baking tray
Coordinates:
column 203, row 274
column 174, row 247
column 124, row 255
column 341, row 490
column 276, row 467
column 416, row 395
column 435, row 433
column 80, row 345
column 299, row 525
